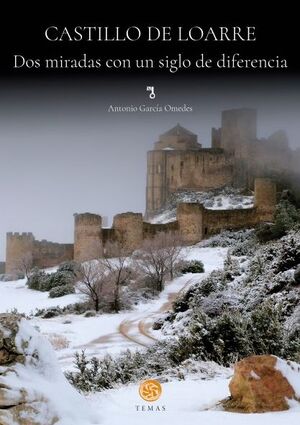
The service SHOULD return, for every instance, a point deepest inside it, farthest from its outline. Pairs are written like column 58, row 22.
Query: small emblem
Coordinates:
column 150, row 390
column 151, row 90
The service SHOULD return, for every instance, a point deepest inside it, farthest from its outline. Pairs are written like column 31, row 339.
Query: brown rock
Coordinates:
column 257, row 386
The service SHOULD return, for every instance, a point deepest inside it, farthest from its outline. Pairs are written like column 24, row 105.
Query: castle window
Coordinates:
column 205, row 230
column 181, row 164
column 172, row 167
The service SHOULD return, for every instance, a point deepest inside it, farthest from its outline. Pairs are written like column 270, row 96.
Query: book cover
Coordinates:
column 150, row 210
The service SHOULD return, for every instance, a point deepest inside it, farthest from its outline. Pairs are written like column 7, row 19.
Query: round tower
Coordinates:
column 190, row 220
column 265, row 198
column 129, row 230
column 19, row 251
column 87, row 237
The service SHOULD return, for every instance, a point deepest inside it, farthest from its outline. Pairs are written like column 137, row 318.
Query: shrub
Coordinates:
column 286, row 217
column 265, row 330
column 58, row 342
column 36, row 280
column 90, row 313
column 108, row 372
column 194, row 266
column 70, row 267
column 53, row 280
column 41, row 281
column 60, row 291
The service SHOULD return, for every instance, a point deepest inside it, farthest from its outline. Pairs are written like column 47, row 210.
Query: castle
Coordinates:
column 178, row 162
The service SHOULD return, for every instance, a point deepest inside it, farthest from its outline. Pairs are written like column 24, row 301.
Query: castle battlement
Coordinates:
column 18, row 235
column 87, row 218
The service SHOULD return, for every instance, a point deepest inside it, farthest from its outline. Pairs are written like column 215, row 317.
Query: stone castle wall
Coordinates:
column 236, row 157
column 174, row 170
column 49, row 254
column 197, row 223
column 178, row 162
column 22, row 249
column 194, row 223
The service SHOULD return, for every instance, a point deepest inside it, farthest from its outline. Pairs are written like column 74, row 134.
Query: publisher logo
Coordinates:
column 152, row 94
column 150, row 390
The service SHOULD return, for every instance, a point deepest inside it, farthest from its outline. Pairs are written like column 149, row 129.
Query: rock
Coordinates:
column 50, row 313
column 259, row 386
column 33, row 389
column 297, row 275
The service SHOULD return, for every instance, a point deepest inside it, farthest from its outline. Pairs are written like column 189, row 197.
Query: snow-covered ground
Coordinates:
column 105, row 333
column 16, row 295
column 187, row 402
column 193, row 400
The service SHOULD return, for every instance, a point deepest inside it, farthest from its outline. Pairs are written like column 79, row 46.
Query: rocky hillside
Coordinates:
column 250, row 307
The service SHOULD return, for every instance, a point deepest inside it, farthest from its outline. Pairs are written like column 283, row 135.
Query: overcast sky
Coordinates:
column 62, row 152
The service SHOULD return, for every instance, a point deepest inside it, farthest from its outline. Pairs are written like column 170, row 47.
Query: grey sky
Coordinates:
column 61, row 152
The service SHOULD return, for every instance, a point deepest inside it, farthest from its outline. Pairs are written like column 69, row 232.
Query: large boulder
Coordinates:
column 263, row 384
column 33, row 390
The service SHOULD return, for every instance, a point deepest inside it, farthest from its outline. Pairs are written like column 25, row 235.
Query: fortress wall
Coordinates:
column 190, row 222
column 19, row 248
column 49, row 254
column 87, row 237
column 201, row 170
column 215, row 221
column 150, row 230
column 108, row 235
column 265, row 198
column 128, row 230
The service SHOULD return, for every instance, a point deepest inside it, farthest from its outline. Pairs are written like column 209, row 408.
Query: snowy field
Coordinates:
column 105, row 333
column 193, row 400
column 186, row 402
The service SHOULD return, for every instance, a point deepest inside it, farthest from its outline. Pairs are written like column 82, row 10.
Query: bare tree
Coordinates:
column 102, row 279
column 158, row 256
column 118, row 271
column 93, row 279
column 173, row 244
column 25, row 266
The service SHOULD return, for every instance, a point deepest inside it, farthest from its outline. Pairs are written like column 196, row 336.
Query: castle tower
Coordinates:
column 19, row 251
column 190, row 221
column 128, row 229
column 176, row 139
column 156, row 193
column 265, row 198
column 238, row 131
column 87, row 237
